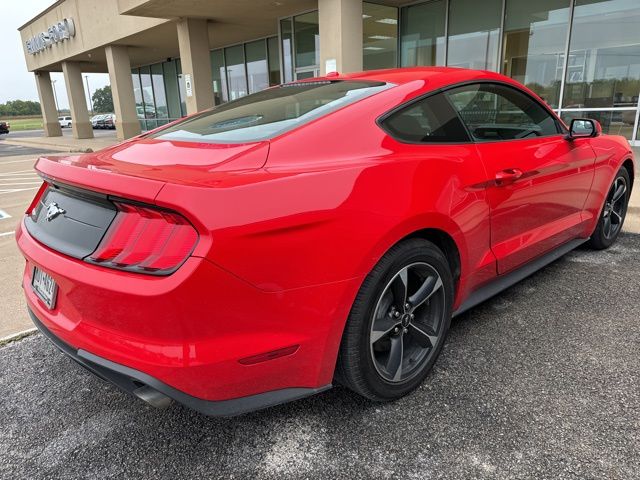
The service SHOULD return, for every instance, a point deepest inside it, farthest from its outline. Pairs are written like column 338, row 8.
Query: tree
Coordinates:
column 102, row 100
column 15, row 108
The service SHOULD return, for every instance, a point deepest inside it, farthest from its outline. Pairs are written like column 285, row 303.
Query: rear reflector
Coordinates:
column 146, row 240
column 263, row 357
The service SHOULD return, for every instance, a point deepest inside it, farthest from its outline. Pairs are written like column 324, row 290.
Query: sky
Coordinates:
column 16, row 83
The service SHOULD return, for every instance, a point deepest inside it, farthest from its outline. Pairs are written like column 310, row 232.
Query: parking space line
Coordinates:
column 19, row 183
column 17, row 161
column 20, row 176
column 4, row 215
column 16, row 190
column 4, row 234
column 18, row 172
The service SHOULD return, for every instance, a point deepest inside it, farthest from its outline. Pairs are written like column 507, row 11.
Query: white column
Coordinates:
column 124, row 103
column 193, row 41
column 340, row 26
column 77, row 100
column 48, row 105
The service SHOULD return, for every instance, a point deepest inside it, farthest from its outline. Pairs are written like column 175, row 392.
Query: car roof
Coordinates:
column 405, row 75
column 429, row 78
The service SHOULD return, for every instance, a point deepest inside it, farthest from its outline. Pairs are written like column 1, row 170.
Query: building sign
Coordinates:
column 61, row 31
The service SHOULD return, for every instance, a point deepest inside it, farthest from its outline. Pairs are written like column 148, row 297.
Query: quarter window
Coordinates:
column 430, row 120
column 494, row 112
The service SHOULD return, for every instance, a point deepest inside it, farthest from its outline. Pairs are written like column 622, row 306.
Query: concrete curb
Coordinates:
column 17, row 336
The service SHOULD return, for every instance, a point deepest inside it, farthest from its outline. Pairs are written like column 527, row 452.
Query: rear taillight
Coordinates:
column 147, row 240
column 36, row 200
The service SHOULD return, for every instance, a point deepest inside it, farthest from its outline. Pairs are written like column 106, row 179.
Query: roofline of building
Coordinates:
column 44, row 12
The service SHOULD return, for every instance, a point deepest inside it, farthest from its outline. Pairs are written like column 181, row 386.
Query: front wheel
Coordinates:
column 398, row 322
column 613, row 212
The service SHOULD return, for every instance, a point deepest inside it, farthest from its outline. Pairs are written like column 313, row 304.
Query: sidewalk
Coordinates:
column 64, row 143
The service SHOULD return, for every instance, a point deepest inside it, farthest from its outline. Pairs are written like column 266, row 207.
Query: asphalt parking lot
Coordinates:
column 18, row 183
column 539, row 382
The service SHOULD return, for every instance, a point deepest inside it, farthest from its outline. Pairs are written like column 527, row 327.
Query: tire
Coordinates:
column 367, row 358
column 613, row 212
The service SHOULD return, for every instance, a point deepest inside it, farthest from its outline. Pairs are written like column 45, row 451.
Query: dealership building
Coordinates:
column 170, row 58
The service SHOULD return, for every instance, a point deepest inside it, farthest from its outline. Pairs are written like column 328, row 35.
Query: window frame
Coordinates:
column 381, row 121
column 562, row 129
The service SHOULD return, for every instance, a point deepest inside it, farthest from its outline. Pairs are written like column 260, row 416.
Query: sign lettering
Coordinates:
column 59, row 32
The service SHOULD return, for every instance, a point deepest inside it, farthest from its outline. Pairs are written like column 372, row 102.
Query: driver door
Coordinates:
column 538, row 181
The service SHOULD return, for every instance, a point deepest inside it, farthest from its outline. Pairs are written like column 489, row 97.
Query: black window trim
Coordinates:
column 562, row 130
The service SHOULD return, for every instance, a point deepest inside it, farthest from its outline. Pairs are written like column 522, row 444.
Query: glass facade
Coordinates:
column 300, row 40
column 218, row 77
column 535, row 38
column 379, row 36
column 286, row 37
column 257, row 69
column 245, row 68
column 581, row 56
column 156, row 91
column 474, row 40
column 422, row 34
column 236, row 71
column 604, row 68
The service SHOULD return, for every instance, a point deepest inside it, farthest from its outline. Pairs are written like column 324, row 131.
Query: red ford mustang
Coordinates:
column 321, row 230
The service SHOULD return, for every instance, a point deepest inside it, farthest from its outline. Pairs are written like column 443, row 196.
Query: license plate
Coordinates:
column 44, row 287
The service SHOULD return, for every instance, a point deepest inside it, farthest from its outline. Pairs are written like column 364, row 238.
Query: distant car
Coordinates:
column 109, row 121
column 4, row 127
column 64, row 122
column 94, row 120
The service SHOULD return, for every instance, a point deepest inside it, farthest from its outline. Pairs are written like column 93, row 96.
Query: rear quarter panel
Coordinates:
column 334, row 197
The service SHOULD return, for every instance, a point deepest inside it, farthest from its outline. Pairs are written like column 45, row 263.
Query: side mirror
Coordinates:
column 584, row 128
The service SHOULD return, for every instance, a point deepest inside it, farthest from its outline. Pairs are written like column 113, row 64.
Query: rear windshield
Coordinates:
column 269, row 113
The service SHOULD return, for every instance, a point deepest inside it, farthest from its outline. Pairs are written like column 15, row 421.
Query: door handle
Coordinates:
column 507, row 176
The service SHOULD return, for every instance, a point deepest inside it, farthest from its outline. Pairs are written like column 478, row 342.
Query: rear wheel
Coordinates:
column 613, row 212
column 398, row 322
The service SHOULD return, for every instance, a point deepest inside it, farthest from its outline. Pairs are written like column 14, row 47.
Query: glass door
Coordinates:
column 302, row 73
column 300, row 43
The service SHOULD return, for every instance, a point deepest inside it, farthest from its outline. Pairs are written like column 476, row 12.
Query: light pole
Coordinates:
column 86, row 78
column 55, row 96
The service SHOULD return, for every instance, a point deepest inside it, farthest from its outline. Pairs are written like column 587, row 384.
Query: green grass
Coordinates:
column 20, row 124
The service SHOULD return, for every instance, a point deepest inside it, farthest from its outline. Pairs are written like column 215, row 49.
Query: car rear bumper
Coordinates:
column 189, row 333
column 138, row 384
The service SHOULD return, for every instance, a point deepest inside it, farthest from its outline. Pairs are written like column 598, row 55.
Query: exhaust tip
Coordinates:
column 153, row 397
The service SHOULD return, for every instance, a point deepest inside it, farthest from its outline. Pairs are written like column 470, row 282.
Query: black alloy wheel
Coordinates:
column 405, row 326
column 613, row 213
column 615, row 208
column 398, row 322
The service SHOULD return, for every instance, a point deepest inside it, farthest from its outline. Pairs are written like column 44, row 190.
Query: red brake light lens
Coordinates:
column 36, row 200
column 147, row 240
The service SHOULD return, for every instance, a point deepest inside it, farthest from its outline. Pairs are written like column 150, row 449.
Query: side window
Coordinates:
column 498, row 112
column 430, row 120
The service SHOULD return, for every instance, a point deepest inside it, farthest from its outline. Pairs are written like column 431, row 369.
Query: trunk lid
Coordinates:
column 148, row 164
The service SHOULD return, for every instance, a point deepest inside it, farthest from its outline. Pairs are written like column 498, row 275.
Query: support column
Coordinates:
column 48, row 104
column 77, row 100
column 340, row 27
column 124, row 103
column 193, row 41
